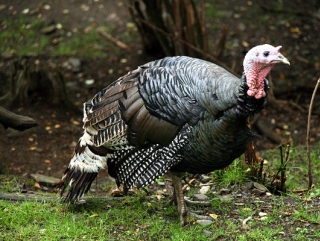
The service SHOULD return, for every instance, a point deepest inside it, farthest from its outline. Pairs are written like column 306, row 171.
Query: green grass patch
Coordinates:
column 22, row 35
column 128, row 219
column 297, row 166
column 144, row 217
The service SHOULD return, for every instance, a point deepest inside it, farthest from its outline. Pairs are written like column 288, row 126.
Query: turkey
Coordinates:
column 176, row 115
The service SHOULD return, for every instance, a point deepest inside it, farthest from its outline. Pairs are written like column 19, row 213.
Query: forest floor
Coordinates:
column 47, row 148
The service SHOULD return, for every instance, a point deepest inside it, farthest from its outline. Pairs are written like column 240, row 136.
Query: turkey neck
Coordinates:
column 249, row 105
column 255, row 80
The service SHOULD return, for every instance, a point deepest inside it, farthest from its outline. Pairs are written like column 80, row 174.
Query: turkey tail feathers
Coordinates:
column 79, row 181
column 82, row 170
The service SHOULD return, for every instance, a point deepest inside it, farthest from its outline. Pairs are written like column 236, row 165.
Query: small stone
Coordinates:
column 204, row 189
column 207, row 233
column 260, row 187
column 200, row 197
column 75, row 63
column 25, row 11
column 242, row 27
column 205, row 178
column 258, row 192
column 89, row 81
column 225, row 191
column 262, row 214
column 226, row 198
column 263, row 218
column 249, row 185
column 43, row 179
column 59, row 26
column 47, row 7
column 204, row 222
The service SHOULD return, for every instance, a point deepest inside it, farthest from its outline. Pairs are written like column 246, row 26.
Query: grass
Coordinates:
column 129, row 219
column 22, row 35
column 297, row 166
column 143, row 217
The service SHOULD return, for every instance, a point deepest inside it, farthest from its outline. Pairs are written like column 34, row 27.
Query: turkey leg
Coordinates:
column 182, row 208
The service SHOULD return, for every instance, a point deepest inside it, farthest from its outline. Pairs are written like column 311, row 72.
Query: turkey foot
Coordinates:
column 181, row 201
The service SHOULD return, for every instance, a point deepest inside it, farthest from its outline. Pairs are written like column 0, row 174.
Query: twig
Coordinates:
column 244, row 223
column 308, row 134
column 283, row 169
column 259, row 176
column 113, row 40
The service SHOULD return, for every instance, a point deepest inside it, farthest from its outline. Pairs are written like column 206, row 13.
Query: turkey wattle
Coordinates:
column 176, row 114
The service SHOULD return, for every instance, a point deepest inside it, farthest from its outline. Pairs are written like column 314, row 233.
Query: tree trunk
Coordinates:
column 29, row 82
column 169, row 28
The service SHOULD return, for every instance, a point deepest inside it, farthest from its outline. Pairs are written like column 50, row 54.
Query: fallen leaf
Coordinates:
column 247, row 209
column 213, row 215
column 244, row 223
column 94, row 215
column 122, row 61
column 55, row 41
column 75, row 122
column 245, row 44
column 37, row 185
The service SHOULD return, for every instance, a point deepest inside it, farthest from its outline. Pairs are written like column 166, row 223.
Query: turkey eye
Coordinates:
column 266, row 54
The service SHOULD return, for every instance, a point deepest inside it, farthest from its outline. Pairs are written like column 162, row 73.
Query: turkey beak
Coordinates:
column 280, row 59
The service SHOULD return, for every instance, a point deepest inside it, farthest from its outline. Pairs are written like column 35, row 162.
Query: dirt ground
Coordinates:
column 47, row 149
